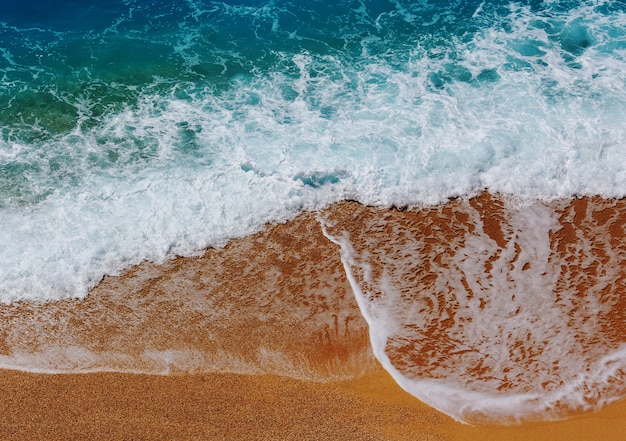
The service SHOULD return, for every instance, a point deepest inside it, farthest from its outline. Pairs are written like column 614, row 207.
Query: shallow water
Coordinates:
column 276, row 302
column 487, row 309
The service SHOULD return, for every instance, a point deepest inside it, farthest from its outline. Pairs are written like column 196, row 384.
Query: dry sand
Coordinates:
column 250, row 407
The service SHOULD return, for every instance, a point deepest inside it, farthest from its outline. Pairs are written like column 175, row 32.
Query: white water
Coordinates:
column 513, row 111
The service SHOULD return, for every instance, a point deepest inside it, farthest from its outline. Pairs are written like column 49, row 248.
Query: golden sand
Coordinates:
column 251, row 407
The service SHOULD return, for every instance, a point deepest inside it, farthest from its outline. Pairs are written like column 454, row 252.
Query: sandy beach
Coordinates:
column 250, row 407
column 263, row 339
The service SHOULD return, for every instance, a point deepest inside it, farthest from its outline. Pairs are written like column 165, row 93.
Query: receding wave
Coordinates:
column 276, row 302
column 492, row 309
column 487, row 308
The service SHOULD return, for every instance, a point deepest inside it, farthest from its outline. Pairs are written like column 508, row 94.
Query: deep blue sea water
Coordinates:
column 135, row 130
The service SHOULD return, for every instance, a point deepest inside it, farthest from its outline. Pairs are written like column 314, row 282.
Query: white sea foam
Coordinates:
column 522, row 108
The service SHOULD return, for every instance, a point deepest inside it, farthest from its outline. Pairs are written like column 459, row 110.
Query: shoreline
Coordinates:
column 275, row 310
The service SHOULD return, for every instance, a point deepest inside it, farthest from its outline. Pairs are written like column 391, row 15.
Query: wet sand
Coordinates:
column 263, row 338
column 250, row 407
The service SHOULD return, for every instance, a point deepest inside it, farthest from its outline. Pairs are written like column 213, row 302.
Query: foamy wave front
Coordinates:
column 490, row 310
column 275, row 302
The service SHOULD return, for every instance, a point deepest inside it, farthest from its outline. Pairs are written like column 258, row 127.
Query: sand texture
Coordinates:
column 250, row 407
